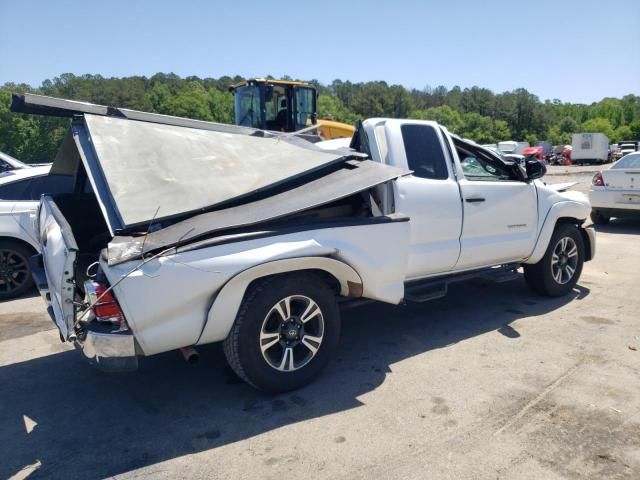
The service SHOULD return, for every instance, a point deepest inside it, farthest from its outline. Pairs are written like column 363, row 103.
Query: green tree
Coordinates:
column 635, row 129
column 331, row 108
column 192, row 102
column 623, row 132
column 501, row 130
column 220, row 105
column 477, row 128
column 474, row 112
column 444, row 115
column 598, row 125
column 159, row 98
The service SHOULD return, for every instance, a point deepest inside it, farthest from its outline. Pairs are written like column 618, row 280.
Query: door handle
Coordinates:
column 474, row 200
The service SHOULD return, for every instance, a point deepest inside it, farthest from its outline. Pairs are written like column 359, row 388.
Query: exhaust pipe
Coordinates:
column 190, row 354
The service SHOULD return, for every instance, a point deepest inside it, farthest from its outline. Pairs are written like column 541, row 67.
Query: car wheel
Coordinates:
column 598, row 218
column 15, row 271
column 285, row 332
column 558, row 271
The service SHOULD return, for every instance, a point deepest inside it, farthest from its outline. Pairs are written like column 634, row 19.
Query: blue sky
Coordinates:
column 577, row 51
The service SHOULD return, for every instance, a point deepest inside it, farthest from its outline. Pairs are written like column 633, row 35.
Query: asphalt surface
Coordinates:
column 491, row 381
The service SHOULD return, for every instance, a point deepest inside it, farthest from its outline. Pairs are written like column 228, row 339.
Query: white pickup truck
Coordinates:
column 181, row 233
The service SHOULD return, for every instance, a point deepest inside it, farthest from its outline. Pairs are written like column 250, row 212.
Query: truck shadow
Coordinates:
column 92, row 425
column 622, row 226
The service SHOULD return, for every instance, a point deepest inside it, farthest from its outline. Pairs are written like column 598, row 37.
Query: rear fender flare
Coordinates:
column 22, row 239
column 227, row 302
column 569, row 211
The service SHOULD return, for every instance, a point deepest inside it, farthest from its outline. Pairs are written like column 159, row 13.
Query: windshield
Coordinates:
column 631, row 160
column 247, row 106
column 305, row 98
column 7, row 162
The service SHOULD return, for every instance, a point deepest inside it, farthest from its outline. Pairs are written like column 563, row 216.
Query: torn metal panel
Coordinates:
column 354, row 177
column 61, row 107
column 154, row 171
column 57, row 107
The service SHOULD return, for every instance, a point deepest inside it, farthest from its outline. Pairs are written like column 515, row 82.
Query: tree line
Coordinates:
column 475, row 112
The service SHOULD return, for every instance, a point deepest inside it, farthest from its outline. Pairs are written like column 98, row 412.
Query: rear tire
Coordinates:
column 558, row 271
column 286, row 330
column 15, row 270
column 598, row 218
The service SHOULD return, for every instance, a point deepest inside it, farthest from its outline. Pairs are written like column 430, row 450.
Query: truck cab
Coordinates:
column 279, row 105
column 463, row 189
column 283, row 106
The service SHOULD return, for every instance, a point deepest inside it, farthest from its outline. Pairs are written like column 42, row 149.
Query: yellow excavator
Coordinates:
column 282, row 106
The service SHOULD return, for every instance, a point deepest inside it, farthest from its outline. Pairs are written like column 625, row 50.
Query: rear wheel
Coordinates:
column 285, row 332
column 558, row 271
column 598, row 218
column 15, row 271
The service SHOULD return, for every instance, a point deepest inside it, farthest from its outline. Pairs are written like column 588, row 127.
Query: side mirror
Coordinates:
column 535, row 168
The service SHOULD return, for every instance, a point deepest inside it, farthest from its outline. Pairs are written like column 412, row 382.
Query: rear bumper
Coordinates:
column 609, row 200
column 108, row 350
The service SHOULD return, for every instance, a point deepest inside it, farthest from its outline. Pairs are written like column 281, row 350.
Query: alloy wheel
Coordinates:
column 291, row 333
column 564, row 260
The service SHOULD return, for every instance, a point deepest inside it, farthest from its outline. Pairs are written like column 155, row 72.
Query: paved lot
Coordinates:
column 489, row 382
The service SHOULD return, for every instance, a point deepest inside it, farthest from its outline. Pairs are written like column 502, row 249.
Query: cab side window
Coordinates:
column 424, row 152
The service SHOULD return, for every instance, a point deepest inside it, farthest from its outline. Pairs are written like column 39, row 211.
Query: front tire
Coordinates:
column 285, row 333
column 558, row 271
column 598, row 218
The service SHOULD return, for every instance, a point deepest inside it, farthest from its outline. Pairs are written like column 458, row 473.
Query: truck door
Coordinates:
column 500, row 212
column 430, row 196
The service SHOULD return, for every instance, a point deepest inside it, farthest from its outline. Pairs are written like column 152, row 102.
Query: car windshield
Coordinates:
column 631, row 160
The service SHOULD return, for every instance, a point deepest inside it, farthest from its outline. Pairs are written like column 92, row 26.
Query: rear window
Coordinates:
column 424, row 152
column 630, row 160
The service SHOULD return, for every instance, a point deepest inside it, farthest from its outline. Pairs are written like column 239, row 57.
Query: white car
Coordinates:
column 20, row 192
column 615, row 192
column 7, row 163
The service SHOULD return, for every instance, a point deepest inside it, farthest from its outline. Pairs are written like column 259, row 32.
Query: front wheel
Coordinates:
column 285, row 332
column 558, row 271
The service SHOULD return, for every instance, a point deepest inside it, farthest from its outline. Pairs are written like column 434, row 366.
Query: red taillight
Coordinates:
column 108, row 312
column 105, row 306
column 597, row 181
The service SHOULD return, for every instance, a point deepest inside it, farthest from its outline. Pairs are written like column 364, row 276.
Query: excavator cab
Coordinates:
column 278, row 105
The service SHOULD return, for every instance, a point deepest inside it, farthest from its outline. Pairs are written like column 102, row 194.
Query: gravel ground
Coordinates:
column 491, row 381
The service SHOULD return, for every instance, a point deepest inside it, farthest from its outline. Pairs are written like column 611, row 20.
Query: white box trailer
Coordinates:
column 512, row 147
column 589, row 148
